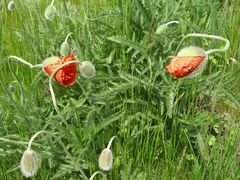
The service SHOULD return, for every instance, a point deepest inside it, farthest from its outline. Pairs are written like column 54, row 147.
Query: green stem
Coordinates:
column 52, row 91
column 25, row 62
column 69, row 34
column 56, row 107
column 97, row 172
column 110, row 142
column 14, row 74
column 172, row 22
column 52, row 2
column 224, row 49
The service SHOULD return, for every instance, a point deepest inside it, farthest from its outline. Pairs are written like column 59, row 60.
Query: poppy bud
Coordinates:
column 188, row 62
column 87, row 69
column 191, row 61
column 11, row 5
column 50, row 12
column 163, row 27
column 29, row 163
column 105, row 161
column 64, row 49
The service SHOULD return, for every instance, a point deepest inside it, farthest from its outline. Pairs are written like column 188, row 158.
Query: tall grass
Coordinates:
column 166, row 128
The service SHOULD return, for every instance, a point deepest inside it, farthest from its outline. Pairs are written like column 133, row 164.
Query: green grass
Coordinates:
column 166, row 128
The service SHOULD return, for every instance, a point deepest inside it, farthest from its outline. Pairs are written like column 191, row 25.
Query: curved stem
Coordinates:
column 69, row 34
column 97, row 172
column 227, row 45
column 52, row 2
column 56, row 107
column 110, row 142
column 34, row 137
column 25, row 62
column 52, row 91
column 14, row 74
column 172, row 22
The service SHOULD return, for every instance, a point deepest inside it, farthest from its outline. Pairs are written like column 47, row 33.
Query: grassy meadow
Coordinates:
column 166, row 128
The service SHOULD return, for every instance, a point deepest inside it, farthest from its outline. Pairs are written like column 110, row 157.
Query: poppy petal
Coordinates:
column 182, row 66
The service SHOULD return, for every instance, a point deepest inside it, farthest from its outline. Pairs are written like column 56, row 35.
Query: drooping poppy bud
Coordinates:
column 50, row 11
column 191, row 61
column 105, row 161
column 65, row 48
column 65, row 76
column 29, row 163
column 11, row 5
column 87, row 69
column 164, row 27
column 187, row 61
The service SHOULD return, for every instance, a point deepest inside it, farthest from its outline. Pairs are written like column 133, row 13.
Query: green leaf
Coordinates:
column 143, row 11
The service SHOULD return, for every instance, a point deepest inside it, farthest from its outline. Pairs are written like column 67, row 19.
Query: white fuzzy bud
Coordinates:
column 29, row 163
column 87, row 69
column 105, row 161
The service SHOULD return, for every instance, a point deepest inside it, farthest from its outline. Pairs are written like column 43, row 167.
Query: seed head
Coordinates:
column 50, row 12
column 105, row 161
column 11, row 5
column 87, row 69
column 29, row 163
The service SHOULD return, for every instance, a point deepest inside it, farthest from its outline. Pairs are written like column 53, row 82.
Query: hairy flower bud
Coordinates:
column 105, row 161
column 87, row 69
column 11, row 5
column 29, row 163
column 50, row 12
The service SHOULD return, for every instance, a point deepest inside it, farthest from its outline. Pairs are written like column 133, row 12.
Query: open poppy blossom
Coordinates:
column 65, row 76
column 192, row 60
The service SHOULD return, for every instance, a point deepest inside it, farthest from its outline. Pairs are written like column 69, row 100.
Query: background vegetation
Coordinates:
column 166, row 128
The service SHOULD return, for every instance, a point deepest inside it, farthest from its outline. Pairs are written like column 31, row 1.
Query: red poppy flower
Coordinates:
column 181, row 66
column 65, row 76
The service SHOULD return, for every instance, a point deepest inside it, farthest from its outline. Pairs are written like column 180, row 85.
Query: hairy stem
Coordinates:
column 172, row 22
column 14, row 74
column 110, row 142
column 66, row 39
column 52, row 2
column 224, row 49
column 97, row 172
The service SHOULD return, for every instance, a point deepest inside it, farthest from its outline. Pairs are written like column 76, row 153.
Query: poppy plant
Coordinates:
column 62, row 69
column 192, row 60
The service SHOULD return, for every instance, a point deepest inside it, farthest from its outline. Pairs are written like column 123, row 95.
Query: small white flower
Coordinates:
column 29, row 163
